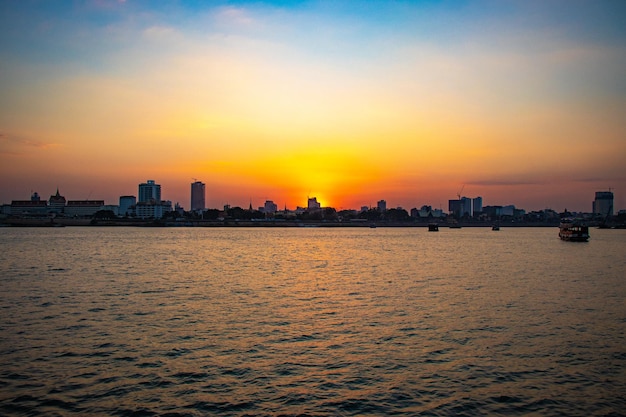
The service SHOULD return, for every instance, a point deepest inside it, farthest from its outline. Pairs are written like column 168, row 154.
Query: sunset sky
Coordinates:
column 520, row 102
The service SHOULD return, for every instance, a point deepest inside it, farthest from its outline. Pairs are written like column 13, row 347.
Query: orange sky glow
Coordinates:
column 407, row 102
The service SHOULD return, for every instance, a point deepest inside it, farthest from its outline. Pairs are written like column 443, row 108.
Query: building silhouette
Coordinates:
column 198, row 196
column 270, row 207
column 32, row 207
column 149, row 191
column 57, row 202
column 83, row 208
column 150, row 205
column 603, row 204
column 477, row 205
column 127, row 205
column 313, row 204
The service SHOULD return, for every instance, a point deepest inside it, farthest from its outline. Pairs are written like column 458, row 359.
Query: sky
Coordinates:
column 413, row 102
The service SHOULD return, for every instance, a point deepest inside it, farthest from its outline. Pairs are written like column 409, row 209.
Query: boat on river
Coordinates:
column 433, row 227
column 573, row 230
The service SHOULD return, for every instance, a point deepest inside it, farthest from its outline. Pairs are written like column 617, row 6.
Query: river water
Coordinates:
column 311, row 321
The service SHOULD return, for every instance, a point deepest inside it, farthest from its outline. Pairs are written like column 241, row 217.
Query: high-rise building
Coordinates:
column 382, row 206
column 454, row 207
column 197, row 196
column 603, row 204
column 466, row 206
column 149, row 191
column 461, row 207
column 477, row 204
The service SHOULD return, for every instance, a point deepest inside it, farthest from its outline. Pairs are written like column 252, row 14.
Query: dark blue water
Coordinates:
column 347, row 322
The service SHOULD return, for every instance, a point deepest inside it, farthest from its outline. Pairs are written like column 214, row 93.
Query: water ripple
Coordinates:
column 263, row 322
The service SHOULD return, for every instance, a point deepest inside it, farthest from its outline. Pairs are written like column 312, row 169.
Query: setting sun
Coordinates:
column 281, row 100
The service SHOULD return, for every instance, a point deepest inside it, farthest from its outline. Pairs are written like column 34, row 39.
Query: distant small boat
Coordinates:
column 455, row 226
column 573, row 230
column 372, row 225
column 433, row 227
column 495, row 227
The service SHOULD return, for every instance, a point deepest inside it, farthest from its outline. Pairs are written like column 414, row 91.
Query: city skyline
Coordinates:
column 518, row 102
column 150, row 190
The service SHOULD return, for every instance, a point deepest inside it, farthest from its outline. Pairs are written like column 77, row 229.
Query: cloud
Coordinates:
column 161, row 33
column 504, row 182
column 234, row 15
column 597, row 180
column 21, row 142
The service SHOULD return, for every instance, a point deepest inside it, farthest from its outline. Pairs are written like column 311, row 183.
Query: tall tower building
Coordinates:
column 466, row 206
column 149, row 191
column 477, row 205
column 197, row 196
column 603, row 204
column 454, row 207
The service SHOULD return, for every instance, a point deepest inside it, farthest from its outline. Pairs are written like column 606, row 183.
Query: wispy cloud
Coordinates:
column 21, row 142
column 515, row 95
column 505, row 182
column 160, row 33
column 234, row 15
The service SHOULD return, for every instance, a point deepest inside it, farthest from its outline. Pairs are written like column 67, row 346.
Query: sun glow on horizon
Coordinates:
column 280, row 100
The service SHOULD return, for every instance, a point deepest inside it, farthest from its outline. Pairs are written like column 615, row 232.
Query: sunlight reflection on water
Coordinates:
column 311, row 321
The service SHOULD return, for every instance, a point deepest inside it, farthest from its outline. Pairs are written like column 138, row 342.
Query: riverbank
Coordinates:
column 62, row 222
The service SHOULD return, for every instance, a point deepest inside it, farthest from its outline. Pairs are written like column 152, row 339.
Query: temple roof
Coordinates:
column 57, row 198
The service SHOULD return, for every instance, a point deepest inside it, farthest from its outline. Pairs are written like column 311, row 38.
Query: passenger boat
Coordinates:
column 573, row 230
column 433, row 227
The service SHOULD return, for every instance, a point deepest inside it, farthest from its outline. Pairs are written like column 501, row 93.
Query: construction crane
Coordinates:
column 460, row 191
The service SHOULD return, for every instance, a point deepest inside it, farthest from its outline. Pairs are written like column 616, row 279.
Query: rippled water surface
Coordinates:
column 197, row 321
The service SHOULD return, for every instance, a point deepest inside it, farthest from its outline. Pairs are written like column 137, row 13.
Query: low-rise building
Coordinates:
column 127, row 206
column 313, row 204
column 83, row 208
column 270, row 207
column 426, row 212
column 29, row 208
column 111, row 207
column 152, row 209
column 32, row 207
